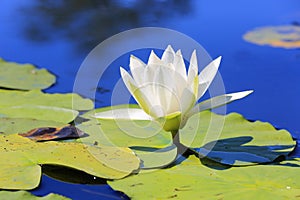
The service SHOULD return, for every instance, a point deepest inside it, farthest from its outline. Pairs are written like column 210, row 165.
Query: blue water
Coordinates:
column 59, row 37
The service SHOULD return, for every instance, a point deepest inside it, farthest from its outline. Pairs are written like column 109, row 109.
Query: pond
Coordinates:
column 59, row 35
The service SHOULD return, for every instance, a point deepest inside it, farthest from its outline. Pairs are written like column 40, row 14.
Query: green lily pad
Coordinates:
column 20, row 125
column 237, row 141
column 36, row 97
column 192, row 180
column 28, row 196
column 154, row 150
column 125, row 133
column 21, row 159
column 155, row 157
column 90, row 114
column 147, row 139
column 45, row 113
column 24, row 76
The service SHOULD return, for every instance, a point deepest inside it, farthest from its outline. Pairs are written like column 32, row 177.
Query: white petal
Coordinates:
column 137, row 68
column 207, row 75
column 165, row 90
column 138, row 92
column 187, row 100
column 219, row 101
column 124, row 113
column 179, row 65
column 193, row 67
column 192, row 80
column 154, row 59
column 157, row 111
column 168, row 55
column 127, row 79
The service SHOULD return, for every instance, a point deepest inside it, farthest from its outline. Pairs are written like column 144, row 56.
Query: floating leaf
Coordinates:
column 154, row 157
column 52, row 133
column 36, row 97
column 45, row 113
column 124, row 133
column 237, row 141
column 20, row 125
column 28, row 196
column 153, row 150
column 91, row 114
column 21, row 158
column 275, row 36
column 192, row 180
column 149, row 141
column 24, row 76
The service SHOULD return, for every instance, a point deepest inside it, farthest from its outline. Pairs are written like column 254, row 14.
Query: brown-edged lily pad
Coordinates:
column 52, row 133
column 276, row 36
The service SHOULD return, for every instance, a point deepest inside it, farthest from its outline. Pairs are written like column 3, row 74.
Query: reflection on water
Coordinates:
column 90, row 22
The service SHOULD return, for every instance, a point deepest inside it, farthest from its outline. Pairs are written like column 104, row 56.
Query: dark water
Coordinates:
column 58, row 35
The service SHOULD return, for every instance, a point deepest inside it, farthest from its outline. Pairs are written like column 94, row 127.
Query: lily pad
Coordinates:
column 46, row 113
column 193, row 180
column 276, row 36
column 155, row 150
column 125, row 133
column 147, row 139
column 22, row 125
column 91, row 114
column 154, row 157
column 21, row 159
column 24, row 76
column 36, row 97
column 17, row 195
column 238, row 141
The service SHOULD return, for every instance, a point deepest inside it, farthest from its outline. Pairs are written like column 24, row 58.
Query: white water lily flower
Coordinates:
column 167, row 93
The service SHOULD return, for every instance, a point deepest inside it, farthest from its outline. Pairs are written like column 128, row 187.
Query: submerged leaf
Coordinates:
column 276, row 36
column 193, row 180
column 17, row 195
column 36, row 97
column 21, row 159
column 24, row 76
column 233, row 140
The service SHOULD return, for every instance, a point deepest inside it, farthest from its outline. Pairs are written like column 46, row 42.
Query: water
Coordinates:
column 59, row 35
